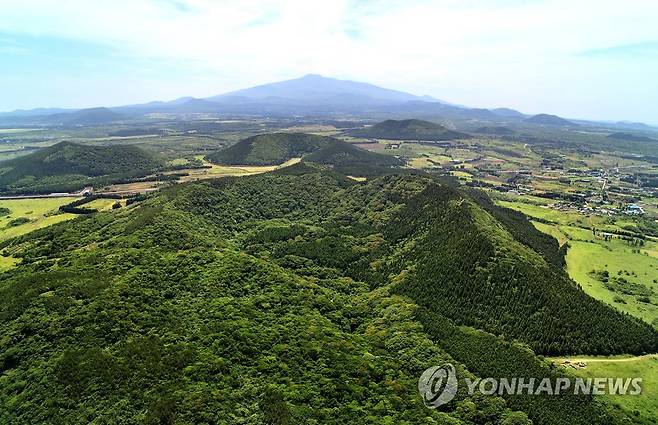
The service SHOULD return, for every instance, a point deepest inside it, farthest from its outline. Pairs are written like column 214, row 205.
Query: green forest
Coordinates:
column 269, row 149
column 67, row 166
column 296, row 296
column 412, row 129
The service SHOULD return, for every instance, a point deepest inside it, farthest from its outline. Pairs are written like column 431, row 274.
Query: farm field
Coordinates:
column 643, row 406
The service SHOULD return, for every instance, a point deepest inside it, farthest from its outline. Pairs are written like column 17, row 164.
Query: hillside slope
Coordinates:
column 292, row 296
column 277, row 148
column 409, row 130
column 69, row 166
column 353, row 160
column 269, row 149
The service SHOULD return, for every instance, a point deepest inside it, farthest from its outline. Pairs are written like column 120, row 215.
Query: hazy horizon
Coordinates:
column 591, row 60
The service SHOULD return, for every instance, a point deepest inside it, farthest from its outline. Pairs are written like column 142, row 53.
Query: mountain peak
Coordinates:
column 315, row 87
column 313, row 77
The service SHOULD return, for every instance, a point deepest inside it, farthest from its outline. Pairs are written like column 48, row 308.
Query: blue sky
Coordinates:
column 580, row 59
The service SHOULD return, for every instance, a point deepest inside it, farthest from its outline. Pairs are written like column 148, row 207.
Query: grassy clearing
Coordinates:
column 41, row 212
column 545, row 213
column 429, row 160
column 178, row 161
column 7, row 263
column 552, row 230
column 643, row 406
column 101, row 204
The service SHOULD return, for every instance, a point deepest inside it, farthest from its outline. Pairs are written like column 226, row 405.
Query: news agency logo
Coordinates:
column 438, row 385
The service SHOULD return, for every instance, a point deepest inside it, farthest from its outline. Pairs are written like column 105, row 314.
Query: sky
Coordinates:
column 594, row 59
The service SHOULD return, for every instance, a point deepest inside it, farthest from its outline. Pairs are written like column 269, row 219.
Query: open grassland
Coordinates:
column 644, row 407
column 535, row 208
column 617, row 258
column 27, row 215
column 543, row 212
column 589, row 252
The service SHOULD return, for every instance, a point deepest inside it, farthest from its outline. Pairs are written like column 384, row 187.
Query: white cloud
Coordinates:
column 468, row 51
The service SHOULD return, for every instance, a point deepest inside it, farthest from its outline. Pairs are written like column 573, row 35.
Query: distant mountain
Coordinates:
column 311, row 95
column 191, row 105
column 411, row 129
column 508, row 113
column 631, row 137
column 313, row 88
column 634, row 125
column 91, row 116
column 35, row 112
column 546, row 119
column 269, row 149
column 68, row 166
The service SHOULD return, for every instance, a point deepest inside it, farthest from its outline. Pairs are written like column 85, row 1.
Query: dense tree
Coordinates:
column 299, row 296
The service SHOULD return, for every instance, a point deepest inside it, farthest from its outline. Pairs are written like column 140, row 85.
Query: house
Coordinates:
column 633, row 209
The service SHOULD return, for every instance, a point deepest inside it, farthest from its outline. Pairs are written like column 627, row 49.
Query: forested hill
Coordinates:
column 269, row 149
column 292, row 297
column 68, row 166
column 277, row 148
column 412, row 129
column 352, row 160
